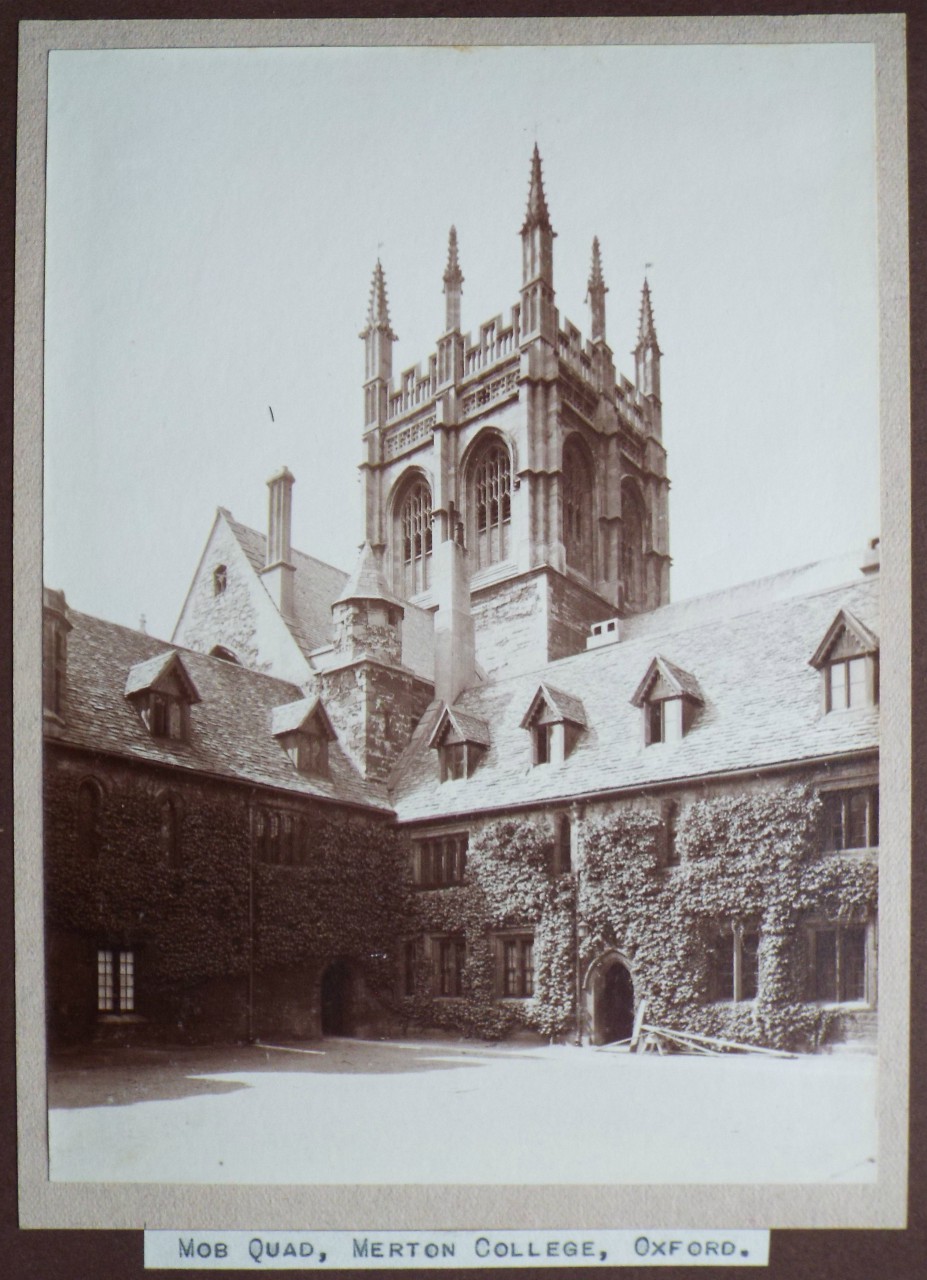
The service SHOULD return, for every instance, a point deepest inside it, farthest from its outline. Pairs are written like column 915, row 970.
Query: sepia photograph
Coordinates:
column 473, row 751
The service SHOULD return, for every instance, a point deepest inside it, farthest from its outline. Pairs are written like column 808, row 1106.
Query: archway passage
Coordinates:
column 613, row 1013
column 336, row 1000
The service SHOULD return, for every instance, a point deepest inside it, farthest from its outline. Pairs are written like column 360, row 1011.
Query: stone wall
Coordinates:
column 242, row 618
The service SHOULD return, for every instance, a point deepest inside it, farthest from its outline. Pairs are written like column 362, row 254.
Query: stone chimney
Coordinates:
column 55, row 628
column 278, row 572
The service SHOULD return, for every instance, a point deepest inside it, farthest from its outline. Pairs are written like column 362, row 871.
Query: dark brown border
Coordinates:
column 811, row 1255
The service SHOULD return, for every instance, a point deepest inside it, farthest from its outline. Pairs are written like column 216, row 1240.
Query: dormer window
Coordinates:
column 304, row 731
column 164, row 716
column 848, row 659
column 162, row 692
column 555, row 721
column 669, row 699
column 461, row 741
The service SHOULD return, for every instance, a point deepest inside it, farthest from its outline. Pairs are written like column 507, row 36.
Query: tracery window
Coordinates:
column 415, row 538
column 492, row 504
column 577, row 510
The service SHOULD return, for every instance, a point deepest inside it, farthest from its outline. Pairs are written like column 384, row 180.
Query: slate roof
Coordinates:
column 468, row 728
column 145, row 675
column 680, row 681
column 292, row 716
column 316, row 585
column 230, row 727
column 563, row 705
column 748, row 651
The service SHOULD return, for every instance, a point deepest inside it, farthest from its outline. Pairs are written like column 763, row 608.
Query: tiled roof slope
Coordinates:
column 762, row 705
column 316, row 585
column 230, row 728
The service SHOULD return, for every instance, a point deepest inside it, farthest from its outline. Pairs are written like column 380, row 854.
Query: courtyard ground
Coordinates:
column 352, row 1111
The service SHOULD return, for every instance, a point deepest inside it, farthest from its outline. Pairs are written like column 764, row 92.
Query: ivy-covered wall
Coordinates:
column 752, row 858
column 227, row 944
column 211, row 931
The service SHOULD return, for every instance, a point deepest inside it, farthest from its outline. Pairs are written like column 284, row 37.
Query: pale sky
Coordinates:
column 214, row 217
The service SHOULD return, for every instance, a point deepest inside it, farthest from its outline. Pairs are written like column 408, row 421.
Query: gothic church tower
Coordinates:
column 514, row 485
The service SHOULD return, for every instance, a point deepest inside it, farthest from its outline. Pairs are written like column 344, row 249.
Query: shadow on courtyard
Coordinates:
column 112, row 1076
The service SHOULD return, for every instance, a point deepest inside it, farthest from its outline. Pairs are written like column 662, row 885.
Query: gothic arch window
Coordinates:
column 219, row 579
column 632, row 546
column 577, row 508
column 413, row 540
column 491, row 504
column 89, row 805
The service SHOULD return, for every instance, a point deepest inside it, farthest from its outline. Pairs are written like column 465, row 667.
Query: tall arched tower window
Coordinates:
column 577, row 508
column 491, row 504
column 414, row 539
column 632, row 546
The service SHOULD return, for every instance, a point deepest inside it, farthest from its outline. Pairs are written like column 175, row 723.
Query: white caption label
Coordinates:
column 433, row 1250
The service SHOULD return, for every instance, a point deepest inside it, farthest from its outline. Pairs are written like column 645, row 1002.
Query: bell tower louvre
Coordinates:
column 515, row 460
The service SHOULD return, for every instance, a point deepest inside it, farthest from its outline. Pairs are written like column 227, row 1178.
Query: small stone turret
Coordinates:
column 368, row 617
column 369, row 694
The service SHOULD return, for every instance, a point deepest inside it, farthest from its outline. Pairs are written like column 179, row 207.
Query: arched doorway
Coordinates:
column 610, row 1000
column 336, row 1000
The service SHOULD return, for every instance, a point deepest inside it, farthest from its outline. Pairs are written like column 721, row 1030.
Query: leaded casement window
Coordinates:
column 632, row 547
column 415, row 538
column 450, row 955
column 839, row 963
column 556, row 721
column 115, row 981
column 89, row 810
column 851, row 819
column 847, row 684
column 170, row 832
column 514, row 966
column 281, row 838
column 577, row 509
column 735, row 968
column 461, row 741
column 669, row 699
column 492, row 504
column 440, row 861
column 543, row 743
column 848, row 660
column 165, row 716
column 162, row 692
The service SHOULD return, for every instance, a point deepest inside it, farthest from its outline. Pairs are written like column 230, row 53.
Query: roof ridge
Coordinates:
column 539, row 672
column 305, row 555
